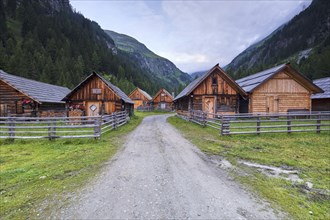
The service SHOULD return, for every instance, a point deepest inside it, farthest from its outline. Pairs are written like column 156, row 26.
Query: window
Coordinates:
column 214, row 81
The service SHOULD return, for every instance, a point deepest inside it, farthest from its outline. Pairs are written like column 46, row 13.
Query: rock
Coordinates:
column 309, row 185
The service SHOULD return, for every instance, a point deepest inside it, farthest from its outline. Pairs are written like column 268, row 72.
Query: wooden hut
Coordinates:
column 321, row 101
column 214, row 92
column 279, row 89
column 96, row 96
column 140, row 98
column 25, row 97
column 162, row 100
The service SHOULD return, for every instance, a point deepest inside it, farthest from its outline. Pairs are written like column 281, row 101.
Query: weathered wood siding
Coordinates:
column 138, row 98
column 280, row 94
column 10, row 99
column 222, row 87
column 163, row 100
column 85, row 92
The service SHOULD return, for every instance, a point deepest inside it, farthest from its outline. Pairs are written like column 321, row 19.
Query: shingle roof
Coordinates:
column 143, row 92
column 324, row 84
column 118, row 91
column 186, row 91
column 251, row 82
column 38, row 91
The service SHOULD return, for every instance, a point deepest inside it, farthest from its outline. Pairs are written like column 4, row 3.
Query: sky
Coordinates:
column 193, row 34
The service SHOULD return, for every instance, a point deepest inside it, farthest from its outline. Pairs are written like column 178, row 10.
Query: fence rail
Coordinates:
column 60, row 127
column 261, row 123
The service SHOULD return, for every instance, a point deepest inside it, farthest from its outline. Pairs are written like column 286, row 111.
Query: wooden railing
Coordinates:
column 262, row 123
column 60, row 127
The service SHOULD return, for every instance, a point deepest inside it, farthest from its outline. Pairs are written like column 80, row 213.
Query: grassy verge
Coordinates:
column 309, row 153
column 35, row 171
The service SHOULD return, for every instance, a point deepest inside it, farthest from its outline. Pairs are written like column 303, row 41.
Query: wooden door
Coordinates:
column 208, row 105
column 93, row 108
column 271, row 104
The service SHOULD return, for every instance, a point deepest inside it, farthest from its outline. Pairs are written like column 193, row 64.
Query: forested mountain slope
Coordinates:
column 46, row 40
column 161, row 68
column 304, row 42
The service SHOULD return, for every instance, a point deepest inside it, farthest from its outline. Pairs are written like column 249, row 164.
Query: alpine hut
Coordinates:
column 25, row 97
column 214, row 92
column 96, row 96
column 279, row 89
column 321, row 101
column 162, row 100
column 140, row 98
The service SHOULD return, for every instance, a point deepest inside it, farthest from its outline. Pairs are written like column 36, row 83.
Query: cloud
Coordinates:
column 195, row 35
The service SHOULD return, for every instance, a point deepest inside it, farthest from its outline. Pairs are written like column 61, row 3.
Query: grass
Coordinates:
column 35, row 171
column 309, row 153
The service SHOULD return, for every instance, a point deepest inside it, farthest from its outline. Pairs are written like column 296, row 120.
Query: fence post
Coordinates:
column 204, row 118
column 49, row 130
column 11, row 129
column 97, row 128
column 225, row 126
column 289, row 124
column 115, row 120
column 318, row 125
column 54, row 130
column 258, row 125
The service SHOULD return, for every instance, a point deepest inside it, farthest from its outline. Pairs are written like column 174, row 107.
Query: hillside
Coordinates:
column 158, row 67
column 47, row 41
column 304, row 41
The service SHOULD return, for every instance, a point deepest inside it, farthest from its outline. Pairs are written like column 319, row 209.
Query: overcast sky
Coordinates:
column 195, row 35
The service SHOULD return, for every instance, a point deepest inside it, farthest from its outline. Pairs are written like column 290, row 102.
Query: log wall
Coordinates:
column 278, row 95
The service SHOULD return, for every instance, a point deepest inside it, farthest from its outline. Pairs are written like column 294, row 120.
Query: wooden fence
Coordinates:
column 60, row 127
column 261, row 123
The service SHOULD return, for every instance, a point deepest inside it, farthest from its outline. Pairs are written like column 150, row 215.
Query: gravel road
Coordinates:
column 160, row 175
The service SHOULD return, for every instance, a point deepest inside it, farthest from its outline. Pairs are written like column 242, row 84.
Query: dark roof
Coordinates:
column 251, row 82
column 186, row 91
column 116, row 90
column 164, row 90
column 38, row 91
column 143, row 92
column 324, row 84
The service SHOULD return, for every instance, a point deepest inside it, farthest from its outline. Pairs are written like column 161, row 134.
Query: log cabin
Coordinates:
column 140, row 98
column 25, row 97
column 280, row 89
column 321, row 101
column 162, row 100
column 96, row 96
column 214, row 92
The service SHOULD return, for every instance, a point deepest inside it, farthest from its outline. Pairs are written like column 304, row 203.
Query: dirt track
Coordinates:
column 159, row 174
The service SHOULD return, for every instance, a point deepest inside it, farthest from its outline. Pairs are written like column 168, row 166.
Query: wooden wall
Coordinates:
column 10, row 99
column 214, row 90
column 138, row 98
column 280, row 94
column 222, row 87
column 85, row 92
column 163, row 98
column 107, row 101
column 11, row 103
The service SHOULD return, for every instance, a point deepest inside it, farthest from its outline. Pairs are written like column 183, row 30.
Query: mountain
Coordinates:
column 195, row 75
column 159, row 68
column 304, row 41
column 46, row 40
